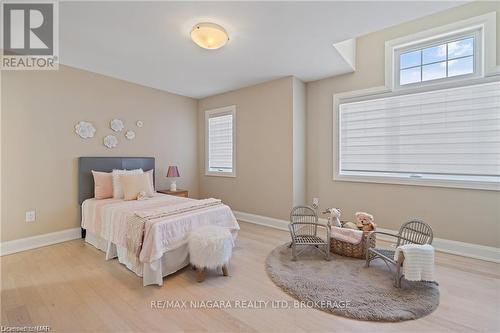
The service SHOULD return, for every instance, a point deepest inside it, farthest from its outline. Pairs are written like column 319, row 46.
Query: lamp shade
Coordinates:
column 173, row 171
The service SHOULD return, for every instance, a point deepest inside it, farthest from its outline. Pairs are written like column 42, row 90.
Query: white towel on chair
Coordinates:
column 418, row 264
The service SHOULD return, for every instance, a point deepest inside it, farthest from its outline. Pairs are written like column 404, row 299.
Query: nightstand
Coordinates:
column 178, row 193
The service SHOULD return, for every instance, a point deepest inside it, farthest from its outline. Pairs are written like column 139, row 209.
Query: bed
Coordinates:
column 164, row 247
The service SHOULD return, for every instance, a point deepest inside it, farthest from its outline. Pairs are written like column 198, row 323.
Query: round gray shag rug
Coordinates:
column 343, row 286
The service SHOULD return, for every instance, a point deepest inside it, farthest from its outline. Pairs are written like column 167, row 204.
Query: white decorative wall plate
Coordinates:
column 130, row 135
column 116, row 125
column 110, row 141
column 139, row 123
column 85, row 129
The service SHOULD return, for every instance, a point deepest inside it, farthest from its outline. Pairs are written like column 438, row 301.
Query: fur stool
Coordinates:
column 210, row 247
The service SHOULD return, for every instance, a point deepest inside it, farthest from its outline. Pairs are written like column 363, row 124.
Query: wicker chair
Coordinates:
column 306, row 230
column 412, row 232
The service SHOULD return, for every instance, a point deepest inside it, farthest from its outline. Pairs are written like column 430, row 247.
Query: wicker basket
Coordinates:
column 351, row 250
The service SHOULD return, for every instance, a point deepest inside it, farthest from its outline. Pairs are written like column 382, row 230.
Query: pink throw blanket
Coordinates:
column 347, row 235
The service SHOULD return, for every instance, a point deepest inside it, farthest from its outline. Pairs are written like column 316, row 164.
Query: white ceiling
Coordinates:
column 149, row 43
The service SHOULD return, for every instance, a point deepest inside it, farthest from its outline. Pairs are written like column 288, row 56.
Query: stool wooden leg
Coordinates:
column 224, row 270
column 200, row 276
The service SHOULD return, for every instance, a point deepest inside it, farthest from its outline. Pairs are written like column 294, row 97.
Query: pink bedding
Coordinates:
column 108, row 219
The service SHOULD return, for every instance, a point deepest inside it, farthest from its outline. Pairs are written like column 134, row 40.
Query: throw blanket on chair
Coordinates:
column 136, row 223
column 418, row 264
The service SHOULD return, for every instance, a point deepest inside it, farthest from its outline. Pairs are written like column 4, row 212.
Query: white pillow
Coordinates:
column 151, row 180
column 117, row 186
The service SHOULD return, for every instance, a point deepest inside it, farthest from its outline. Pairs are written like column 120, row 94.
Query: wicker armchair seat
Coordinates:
column 309, row 240
column 386, row 253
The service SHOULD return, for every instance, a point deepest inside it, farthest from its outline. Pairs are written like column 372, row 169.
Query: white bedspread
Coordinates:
column 108, row 219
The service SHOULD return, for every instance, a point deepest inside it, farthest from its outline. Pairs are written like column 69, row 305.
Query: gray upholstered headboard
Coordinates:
column 106, row 164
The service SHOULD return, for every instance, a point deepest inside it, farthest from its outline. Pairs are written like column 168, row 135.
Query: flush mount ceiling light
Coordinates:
column 209, row 36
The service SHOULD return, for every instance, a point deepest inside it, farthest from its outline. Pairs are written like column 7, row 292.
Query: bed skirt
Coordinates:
column 151, row 273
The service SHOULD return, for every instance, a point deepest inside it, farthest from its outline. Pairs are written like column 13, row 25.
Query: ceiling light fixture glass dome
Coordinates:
column 209, row 36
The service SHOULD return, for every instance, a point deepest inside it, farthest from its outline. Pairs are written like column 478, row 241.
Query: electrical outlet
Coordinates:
column 30, row 216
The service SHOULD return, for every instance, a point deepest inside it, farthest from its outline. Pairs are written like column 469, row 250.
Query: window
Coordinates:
column 446, row 55
column 220, row 142
column 447, row 137
column 442, row 60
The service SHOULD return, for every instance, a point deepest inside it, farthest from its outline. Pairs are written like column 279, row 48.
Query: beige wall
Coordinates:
column 264, row 119
column 464, row 215
column 299, row 142
column 40, row 148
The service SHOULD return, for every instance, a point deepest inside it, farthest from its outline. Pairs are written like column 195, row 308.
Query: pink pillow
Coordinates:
column 103, row 185
column 133, row 185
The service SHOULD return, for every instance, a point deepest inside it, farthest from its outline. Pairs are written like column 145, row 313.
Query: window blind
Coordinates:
column 451, row 132
column 220, row 143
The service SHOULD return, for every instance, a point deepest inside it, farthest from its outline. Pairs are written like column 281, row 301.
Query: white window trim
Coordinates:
column 485, row 25
column 478, row 68
column 220, row 112
column 380, row 92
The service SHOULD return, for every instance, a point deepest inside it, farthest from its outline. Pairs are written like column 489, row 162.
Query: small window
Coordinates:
column 453, row 58
column 220, row 142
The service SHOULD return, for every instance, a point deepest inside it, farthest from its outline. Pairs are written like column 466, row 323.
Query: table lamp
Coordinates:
column 173, row 172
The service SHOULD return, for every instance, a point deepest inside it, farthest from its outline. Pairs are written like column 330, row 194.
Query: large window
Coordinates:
column 441, row 60
column 220, row 142
column 440, row 137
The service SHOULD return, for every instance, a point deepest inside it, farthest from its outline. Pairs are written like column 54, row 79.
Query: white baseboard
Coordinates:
column 475, row 251
column 487, row 253
column 262, row 220
column 34, row 242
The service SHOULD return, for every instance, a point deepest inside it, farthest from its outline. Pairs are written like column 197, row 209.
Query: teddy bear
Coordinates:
column 365, row 221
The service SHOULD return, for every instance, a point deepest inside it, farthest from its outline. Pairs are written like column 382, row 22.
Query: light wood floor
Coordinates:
column 70, row 287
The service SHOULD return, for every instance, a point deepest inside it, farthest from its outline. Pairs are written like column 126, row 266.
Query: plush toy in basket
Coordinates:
column 348, row 238
column 365, row 221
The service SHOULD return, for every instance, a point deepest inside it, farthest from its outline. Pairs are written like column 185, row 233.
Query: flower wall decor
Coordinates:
column 130, row 135
column 116, row 125
column 110, row 141
column 85, row 129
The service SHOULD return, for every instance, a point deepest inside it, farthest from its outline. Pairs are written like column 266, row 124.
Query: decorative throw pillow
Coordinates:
column 117, row 186
column 151, row 175
column 103, row 185
column 133, row 185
